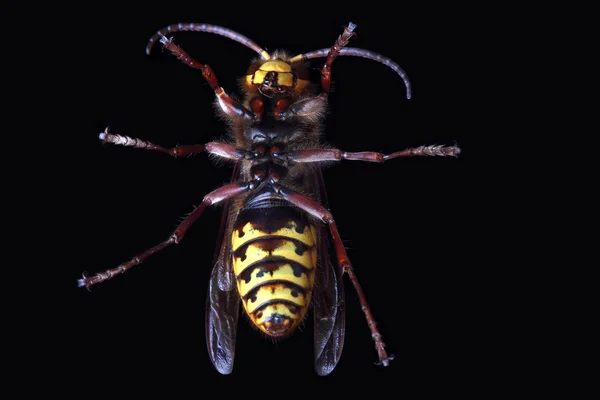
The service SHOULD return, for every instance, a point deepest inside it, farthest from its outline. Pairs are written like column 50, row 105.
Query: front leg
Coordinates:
column 230, row 107
column 317, row 155
column 334, row 51
column 317, row 210
column 219, row 149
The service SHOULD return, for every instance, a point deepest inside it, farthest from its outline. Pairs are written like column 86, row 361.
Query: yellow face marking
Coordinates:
column 259, row 76
column 285, row 76
column 277, row 291
column 285, row 79
column 276, row 66
column 285, row 272
column 249, row 232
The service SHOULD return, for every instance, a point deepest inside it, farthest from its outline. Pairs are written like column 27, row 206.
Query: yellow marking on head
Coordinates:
column 259, row 76
column 296, row 58
column 277, row 291
column 249, row 232
column 285, row 79
column 281, row 67
column 284, row 273
column 276, row 66
column 285, row 75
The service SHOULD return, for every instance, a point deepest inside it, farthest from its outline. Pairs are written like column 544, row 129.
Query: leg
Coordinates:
column 320, row 212
column 230, row 107
column 339, row 44
column 316, row 155
column 222, row 193
column 219, row 149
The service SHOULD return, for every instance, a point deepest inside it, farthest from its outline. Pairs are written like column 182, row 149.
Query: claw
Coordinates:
column 385, row 362
column 82, row 282
column 165, row 40
column 102, row 135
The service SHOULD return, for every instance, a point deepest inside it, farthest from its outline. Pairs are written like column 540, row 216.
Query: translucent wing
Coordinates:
column 222, row 304
column 328, row 298
column 221, row 324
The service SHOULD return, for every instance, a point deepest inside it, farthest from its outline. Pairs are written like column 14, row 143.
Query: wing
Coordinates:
column 328, row 297
column 222, row 303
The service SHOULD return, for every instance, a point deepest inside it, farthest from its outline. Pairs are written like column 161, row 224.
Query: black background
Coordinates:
column 406, row 224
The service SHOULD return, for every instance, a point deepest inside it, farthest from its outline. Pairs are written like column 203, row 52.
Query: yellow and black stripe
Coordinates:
column 274, row 262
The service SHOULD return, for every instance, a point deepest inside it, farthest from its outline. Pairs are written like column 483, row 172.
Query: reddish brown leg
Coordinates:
column 317, row 210
column 316, row 155
column 219, row 149
column 220, row 194
column 339, row 44
column 229, row 106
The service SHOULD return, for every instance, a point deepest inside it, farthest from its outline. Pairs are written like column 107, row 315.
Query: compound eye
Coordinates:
column 252, row 68
column 301, row 71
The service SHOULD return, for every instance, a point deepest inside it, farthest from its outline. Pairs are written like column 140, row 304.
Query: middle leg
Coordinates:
column 219, row 149
column 317, row 155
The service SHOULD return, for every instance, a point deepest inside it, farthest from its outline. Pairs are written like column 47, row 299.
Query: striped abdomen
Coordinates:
column 274, row 262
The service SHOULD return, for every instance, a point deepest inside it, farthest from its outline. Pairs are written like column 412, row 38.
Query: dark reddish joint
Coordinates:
column 257, row 106
column 281, row 106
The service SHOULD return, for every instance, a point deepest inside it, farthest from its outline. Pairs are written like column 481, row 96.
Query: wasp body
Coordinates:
column 273, row 253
